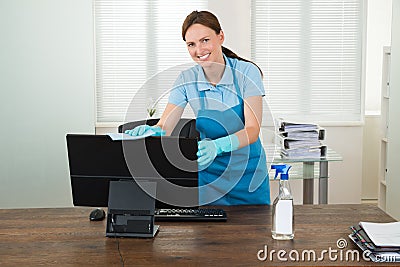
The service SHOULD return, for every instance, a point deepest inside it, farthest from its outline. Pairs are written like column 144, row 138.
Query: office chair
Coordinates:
column 184, row 128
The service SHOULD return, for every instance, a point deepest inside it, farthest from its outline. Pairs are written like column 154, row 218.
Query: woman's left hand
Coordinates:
column 207, row 151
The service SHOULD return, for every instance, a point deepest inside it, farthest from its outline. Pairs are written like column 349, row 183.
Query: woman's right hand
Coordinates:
column 142, row 129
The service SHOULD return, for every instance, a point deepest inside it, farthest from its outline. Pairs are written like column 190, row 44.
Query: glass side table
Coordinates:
column 308, row 175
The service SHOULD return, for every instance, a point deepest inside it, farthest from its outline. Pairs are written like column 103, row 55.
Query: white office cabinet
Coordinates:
column 392, row 198
column 384, row 127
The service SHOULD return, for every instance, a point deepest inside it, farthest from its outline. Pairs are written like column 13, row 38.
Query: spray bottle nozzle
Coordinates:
column 283, row 169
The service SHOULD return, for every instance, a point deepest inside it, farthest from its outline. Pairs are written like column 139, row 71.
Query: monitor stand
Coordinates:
column 131, row 209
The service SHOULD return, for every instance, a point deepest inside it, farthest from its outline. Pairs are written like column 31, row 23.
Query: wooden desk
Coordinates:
column 65, row 236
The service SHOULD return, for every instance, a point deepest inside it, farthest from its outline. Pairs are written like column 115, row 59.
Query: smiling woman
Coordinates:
column 204, row 46
column 208, row 24
column 225, row 93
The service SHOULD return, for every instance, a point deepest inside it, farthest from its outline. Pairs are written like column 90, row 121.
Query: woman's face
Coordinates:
column 204, row 45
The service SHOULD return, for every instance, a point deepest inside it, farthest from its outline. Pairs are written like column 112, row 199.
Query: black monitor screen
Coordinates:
column 95, row 160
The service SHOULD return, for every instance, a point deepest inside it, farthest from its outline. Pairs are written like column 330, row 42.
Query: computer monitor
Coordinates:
column 95, row 160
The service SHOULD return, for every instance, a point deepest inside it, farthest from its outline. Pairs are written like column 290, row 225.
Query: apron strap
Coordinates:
column 235, row 83
column 202, row 107
column 238, row 93
column 202, row 96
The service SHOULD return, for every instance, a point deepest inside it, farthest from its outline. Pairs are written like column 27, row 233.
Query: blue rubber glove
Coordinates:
column 141, row 129
column 209, row 149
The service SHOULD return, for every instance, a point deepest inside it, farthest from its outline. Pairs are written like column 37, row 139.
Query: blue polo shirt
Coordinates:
column 222, row 96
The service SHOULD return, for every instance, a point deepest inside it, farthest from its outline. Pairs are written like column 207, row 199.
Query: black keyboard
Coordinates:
column 203, row 214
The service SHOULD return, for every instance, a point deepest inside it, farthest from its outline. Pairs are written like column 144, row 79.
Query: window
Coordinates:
column 311, row 56
column 138, row 52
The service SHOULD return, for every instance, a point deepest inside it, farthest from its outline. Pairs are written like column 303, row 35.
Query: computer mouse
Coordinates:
column 97, row 215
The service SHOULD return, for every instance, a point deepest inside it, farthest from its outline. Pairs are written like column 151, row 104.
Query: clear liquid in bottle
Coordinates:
column 282, row 213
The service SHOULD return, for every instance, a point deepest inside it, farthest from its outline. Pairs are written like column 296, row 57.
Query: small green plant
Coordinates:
column 151, row 111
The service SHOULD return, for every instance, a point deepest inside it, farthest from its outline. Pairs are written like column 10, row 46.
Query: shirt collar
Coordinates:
column 227, row 77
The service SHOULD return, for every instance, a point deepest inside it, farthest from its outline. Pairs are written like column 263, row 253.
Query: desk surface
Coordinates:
column 65, row 236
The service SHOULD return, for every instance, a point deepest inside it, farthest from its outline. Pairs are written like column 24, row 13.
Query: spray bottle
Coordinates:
column 282, row 209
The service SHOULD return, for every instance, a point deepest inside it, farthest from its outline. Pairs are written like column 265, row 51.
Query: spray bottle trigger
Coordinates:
column 279, row 169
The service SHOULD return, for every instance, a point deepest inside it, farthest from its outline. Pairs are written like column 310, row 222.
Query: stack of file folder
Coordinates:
column 301, row 140
column 379, row 241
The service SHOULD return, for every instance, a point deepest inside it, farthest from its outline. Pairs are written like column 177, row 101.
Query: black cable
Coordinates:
column 121, row 258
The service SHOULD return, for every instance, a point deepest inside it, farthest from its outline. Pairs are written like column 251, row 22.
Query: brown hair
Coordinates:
column 209, row 20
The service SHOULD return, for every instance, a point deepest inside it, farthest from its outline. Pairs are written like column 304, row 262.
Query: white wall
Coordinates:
column 235, row 22
column 47, row 90
column 370, row 160
column 379, row 20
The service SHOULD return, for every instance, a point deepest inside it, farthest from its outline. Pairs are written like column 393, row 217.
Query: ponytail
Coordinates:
column 231, row 54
